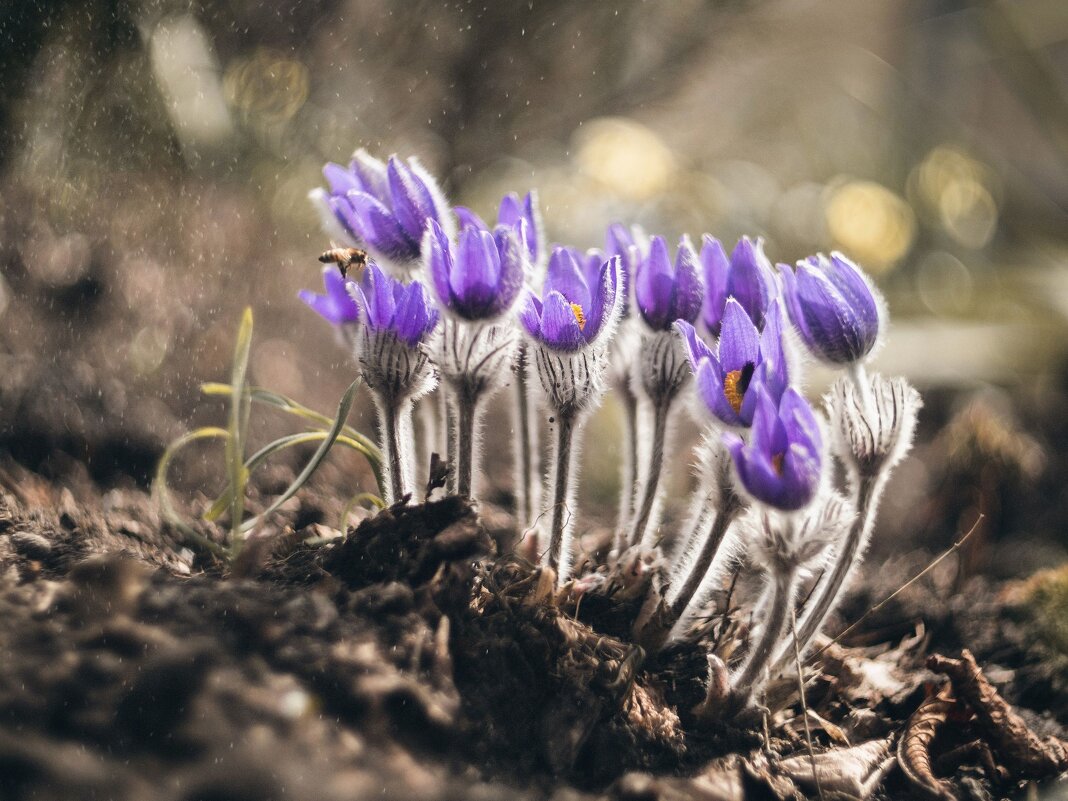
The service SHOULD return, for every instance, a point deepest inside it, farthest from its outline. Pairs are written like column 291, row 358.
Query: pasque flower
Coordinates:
column 663, row 293
column 573, row 311
column 833, row 306
column 477, row 281
column 666, row 293
column 478, row 278
column 521, row 215
column 570, row 326
column 384, row 205
column 396, row 321
column 746, row 359
column 747, row 276
column 336, row 306
column 781, row 465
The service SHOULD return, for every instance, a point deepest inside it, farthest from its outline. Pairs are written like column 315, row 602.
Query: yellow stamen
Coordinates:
column 580, row 316
column 735, row 384
column 735, row 395
column 776, row 462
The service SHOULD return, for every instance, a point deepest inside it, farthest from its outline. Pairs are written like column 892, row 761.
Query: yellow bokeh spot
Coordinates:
column 871, row 223
column 267, row 85
column 957, row 191
column 626, row 157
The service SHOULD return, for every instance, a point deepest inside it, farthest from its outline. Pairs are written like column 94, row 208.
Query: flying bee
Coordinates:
column 346, row 259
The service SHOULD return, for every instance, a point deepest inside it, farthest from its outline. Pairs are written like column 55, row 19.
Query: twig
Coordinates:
column 952, row 550
column 804, row 705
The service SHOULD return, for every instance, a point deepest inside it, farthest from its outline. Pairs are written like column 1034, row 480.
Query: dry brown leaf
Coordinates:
column 847, row 773
column 1028, row 755
column 914, row 748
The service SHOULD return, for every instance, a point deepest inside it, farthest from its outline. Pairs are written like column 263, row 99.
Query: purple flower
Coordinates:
column 573, row 312
column 479, row 277
column 781, row 464
column 746, row 360
column 747, row 277
column 522, row 215
column 664, row 293
column 390, row 306
column 335, row 306
column 833, row 306
column 385, row 206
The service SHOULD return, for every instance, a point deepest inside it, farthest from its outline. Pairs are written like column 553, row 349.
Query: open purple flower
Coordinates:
column 782, row 463
column 833, row 306
column 521, row 215
column 391, row 307
column 572, row 313
column 726, row 382
column 747, row 276
column 478, row 278
column 385, row 205
column 665, row 293
column 335, row 306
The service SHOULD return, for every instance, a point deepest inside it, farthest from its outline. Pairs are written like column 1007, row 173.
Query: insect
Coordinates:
column 346, row 259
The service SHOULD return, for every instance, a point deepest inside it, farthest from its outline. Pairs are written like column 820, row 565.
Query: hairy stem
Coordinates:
column 559, row 554
column 749, row 678
column 730, row 506
column 393, row 448
column 526, row 436
column 829, row 590
column 448, row 403
column 628, row 469
column 467, row 423
column 641, row 530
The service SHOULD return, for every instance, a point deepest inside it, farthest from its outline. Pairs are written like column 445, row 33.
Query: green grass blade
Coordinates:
column 237, row 426
column 360, row 498
column 339, row 422
column 163, row 493
column 357, row 441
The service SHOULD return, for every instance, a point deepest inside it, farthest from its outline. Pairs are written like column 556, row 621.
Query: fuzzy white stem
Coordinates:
column 628, row 469
column 562, row 485
column 394, row 449
column 468, row 429
column 525, row 453
column 643, row 527
column 750, row 676
column 828, row 592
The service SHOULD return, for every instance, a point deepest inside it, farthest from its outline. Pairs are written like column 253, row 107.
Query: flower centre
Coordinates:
column 735, row 383
column 776, row 462
column 580, row 315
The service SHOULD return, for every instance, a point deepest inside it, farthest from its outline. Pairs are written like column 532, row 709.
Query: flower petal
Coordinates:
column 716, row 266
column 468, row 218
column 751, row 281
column 689, row 287
column 476, row 273
column 371, row 173
column 439, row 264
column 559, row 326
column 654, row 286
column 340, row 179
column 376, row 225
column 565, row 275
column 739, row 342
column 513, row 270
column 413, row 204
column 415, row 317
column 606, row 302
column 696, row 349
column 530, row 313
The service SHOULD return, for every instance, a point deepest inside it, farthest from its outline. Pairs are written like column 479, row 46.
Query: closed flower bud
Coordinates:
column 834, row 307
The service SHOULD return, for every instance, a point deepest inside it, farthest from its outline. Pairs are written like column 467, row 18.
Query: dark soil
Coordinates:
column 410, row 660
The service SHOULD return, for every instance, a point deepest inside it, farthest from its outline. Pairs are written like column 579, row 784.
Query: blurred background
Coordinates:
column 155, row 157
